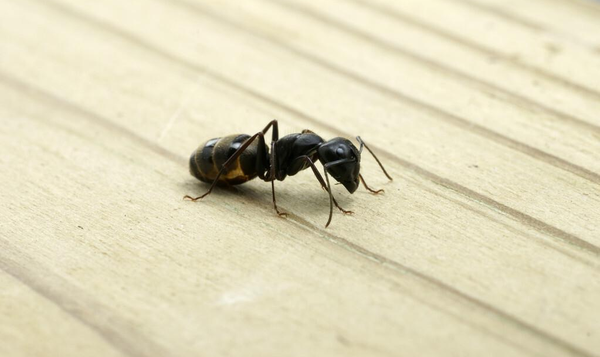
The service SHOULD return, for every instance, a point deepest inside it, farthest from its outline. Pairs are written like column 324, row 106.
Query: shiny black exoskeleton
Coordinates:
column 235, row 159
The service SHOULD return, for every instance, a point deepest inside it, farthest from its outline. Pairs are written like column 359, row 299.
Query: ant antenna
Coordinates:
column 362, row 143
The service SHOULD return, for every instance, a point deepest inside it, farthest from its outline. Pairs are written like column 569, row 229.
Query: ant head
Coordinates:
column 342, row 160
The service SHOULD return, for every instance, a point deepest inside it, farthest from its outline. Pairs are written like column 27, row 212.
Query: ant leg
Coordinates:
column 271, row 177
column 367, row 187
column 324, row 186
column 326, row 167
column 330, row 200
column 321, row 181
column 340, row 208
column 236, row 154
column 260, row 164
column 261, row 152
column 194, row 199
column 362, row 143
column 281, row 214
column 272, row 123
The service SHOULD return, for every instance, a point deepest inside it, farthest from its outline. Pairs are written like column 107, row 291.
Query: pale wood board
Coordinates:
column 487, row 242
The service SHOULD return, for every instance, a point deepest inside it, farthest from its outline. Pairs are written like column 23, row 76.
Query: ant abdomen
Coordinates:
column 208, row 159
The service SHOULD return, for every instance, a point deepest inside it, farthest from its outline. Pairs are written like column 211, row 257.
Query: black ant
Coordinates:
column 235, row 159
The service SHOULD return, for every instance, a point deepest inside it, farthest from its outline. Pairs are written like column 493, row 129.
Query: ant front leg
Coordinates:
column 375, row 192
column 324, row 185
column 321, row 181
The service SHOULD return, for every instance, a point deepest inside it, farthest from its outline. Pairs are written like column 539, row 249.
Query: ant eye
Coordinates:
column 339, row 152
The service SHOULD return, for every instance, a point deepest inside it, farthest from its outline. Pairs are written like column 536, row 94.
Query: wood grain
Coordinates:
column 486, row 242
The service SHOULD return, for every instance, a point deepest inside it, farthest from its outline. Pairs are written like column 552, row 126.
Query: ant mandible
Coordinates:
column 235, row 159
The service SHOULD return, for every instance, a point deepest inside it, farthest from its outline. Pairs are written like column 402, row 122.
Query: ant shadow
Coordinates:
column 312, row 200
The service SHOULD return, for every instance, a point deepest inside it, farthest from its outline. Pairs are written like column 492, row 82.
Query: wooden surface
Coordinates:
column 486, row 112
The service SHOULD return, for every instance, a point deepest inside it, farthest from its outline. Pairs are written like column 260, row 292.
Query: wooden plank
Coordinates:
column 32, row 325
column 429, row 260
column 145, row 115
column 575, row 21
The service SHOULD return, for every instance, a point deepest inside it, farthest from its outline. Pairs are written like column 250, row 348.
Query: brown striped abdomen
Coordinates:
column 209, row 158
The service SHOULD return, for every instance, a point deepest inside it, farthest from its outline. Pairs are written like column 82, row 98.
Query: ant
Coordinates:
column 235, row 159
